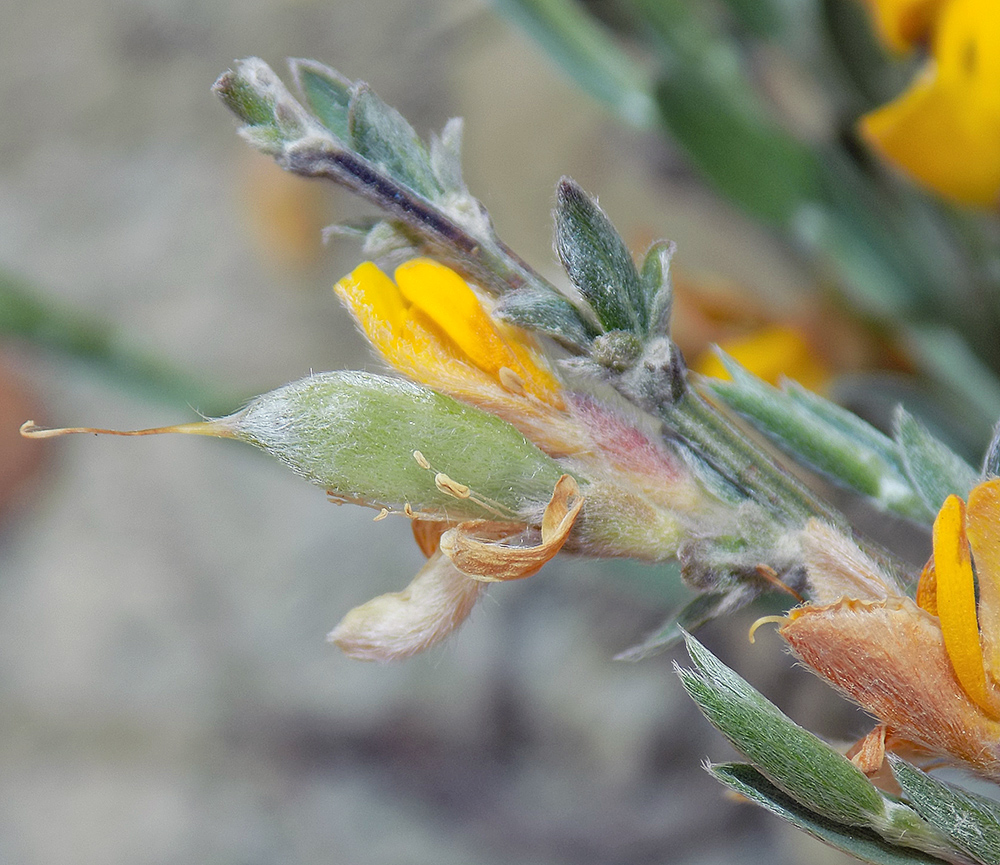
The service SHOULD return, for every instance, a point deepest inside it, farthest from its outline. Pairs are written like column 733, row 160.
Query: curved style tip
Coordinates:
column 30, row 430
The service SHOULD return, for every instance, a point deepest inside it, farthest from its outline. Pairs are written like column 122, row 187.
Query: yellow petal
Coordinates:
column 903, row 23
column 444, row 297
column 367, row 287
column 945, row 129
column 956, row 601
column 983, row 528
column 493, row 560
column 400, row 624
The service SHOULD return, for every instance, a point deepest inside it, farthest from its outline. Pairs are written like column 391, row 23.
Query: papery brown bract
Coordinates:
column 889, row 657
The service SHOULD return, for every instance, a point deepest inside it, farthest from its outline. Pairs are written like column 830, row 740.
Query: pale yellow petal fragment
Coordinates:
column 492, row 560
column 983, row 528
column 956, row 601
column 400, row 624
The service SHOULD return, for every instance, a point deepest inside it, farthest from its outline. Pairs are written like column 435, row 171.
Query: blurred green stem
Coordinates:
column 25, row 314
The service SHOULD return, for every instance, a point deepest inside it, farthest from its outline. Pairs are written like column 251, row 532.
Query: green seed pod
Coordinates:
column 391, row 443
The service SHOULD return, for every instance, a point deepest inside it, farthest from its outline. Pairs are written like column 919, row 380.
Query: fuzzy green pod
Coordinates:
column 371, row 438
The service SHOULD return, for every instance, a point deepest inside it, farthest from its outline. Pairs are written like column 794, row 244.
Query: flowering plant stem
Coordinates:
column 25, row 314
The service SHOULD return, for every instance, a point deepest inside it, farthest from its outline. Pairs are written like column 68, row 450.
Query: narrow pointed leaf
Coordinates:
column 794, row 760
column 971, row 822
column 548, row 313
column 383, row 136
column 656, row 286
column 790, row 757
column 326, row 92
column 597, row 260
column 935, row 470
column 824, row 436
column 860, row 843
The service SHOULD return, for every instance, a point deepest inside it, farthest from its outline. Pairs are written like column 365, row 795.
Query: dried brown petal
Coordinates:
column 427, row 534
column 484, row 549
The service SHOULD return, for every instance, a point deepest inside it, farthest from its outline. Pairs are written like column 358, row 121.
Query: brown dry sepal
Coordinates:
column 483, row 549
column 890, row 658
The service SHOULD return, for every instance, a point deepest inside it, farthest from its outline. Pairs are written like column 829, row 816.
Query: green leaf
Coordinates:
column 272, row 116
column 790, row 757
column 548, row 313
column 355, row 434
column 383, row 136
column 597, row 260
column 586, row 51
column 656, row 285
column 824, row 436
column 860, row 843
column 326, row 92
column 935, row 470
column 971, row 822
column 795, row 761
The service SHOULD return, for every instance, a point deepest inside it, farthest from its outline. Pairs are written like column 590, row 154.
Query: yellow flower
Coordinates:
column 903, row 23
column 363, row 438
column 432, row 327
column 944, row 131
column 770, row 353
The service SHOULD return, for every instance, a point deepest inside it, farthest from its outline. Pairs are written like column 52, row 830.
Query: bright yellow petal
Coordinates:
column 903, row 23
column 443, row 296
column 945, row 129
column 956, row 601
column 983, row 528
column 366, row 286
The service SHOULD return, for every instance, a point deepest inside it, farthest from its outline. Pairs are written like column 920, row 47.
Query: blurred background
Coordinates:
column 166, row 694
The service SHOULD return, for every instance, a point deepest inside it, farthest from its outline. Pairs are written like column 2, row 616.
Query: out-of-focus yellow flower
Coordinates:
column 903, row 23
column 944, row 131
column 770, row 353
column 432, row 327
